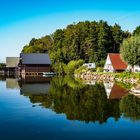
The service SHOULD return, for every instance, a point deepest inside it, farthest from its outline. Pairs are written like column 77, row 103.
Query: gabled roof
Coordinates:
column 117, row 62
column 35, row 58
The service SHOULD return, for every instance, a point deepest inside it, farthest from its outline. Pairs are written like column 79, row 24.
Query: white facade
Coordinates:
column 89, row 65
column 108, row 65
column 136, row 68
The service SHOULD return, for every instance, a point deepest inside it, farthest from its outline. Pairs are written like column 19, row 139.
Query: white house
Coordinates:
column 90, row 65
column 114, row 63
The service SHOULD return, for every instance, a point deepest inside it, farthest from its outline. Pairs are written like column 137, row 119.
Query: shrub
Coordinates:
column 99, row 69
column 127, row 75
column 81, row 70
column 59, row 68
column 73, row 65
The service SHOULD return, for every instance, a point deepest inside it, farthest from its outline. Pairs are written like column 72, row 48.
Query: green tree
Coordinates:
column 56, row 52
column 102, row 40
column 130, row 50
column 90, row 41
column 73, row 65
column 42, row 45
column 117, row 35
column 59, row 68
column 137, row 31
column 2, row 65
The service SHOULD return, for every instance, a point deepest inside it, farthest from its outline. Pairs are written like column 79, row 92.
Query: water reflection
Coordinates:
column 2, row 77
column 35, row 85
column 115, row 91
column 35, row 79
column 78, row 101
column 130, row 106
column 12, row 83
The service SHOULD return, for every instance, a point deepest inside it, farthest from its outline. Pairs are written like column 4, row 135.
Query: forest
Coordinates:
column 89, row 41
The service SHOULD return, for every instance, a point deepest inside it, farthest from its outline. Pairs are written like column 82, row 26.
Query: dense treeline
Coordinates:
column 137, row 31
column 90, row 41
column 41, row 45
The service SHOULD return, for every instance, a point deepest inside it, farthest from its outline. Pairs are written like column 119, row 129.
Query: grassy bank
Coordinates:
column 128, row 75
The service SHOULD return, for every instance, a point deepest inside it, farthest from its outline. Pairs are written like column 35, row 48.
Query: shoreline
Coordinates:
column 130, row 78
column 107, row 77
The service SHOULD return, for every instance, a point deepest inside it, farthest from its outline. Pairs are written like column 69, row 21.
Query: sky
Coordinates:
column 22, row 20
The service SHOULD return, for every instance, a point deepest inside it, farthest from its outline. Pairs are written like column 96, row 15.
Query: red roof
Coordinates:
column 117, row 62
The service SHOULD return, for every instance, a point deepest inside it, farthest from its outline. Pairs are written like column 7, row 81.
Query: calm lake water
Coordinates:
column 64, row 109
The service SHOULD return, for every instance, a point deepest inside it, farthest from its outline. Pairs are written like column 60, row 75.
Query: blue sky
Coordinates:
column 21, row 20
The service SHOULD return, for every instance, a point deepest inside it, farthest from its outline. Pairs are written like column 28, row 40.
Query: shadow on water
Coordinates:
column 78, row 101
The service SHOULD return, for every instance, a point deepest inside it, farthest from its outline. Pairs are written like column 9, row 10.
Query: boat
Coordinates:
column 46, row 74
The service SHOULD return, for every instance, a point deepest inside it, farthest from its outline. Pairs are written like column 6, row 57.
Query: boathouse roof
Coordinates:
column 35, row 58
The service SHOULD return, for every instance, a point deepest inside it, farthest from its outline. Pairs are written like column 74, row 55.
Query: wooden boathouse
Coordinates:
column 34, row 64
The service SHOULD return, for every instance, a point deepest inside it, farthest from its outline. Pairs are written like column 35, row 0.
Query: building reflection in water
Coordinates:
column 41, row 85
column 115, row 91
column 12, row 83
column 35, row 85
column 30, row 84
column 88, row 103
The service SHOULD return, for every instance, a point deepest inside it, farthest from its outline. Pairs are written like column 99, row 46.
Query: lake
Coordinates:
column 61, row 108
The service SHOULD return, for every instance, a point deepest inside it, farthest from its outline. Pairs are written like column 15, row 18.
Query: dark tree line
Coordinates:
column 90, row 41
column 137, row 31
column 2, row 65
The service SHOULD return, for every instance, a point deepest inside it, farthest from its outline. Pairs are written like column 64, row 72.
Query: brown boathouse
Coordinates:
column 34, row 64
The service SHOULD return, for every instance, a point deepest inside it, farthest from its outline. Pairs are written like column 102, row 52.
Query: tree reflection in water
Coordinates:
column 76, row 100
column 130, row 106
